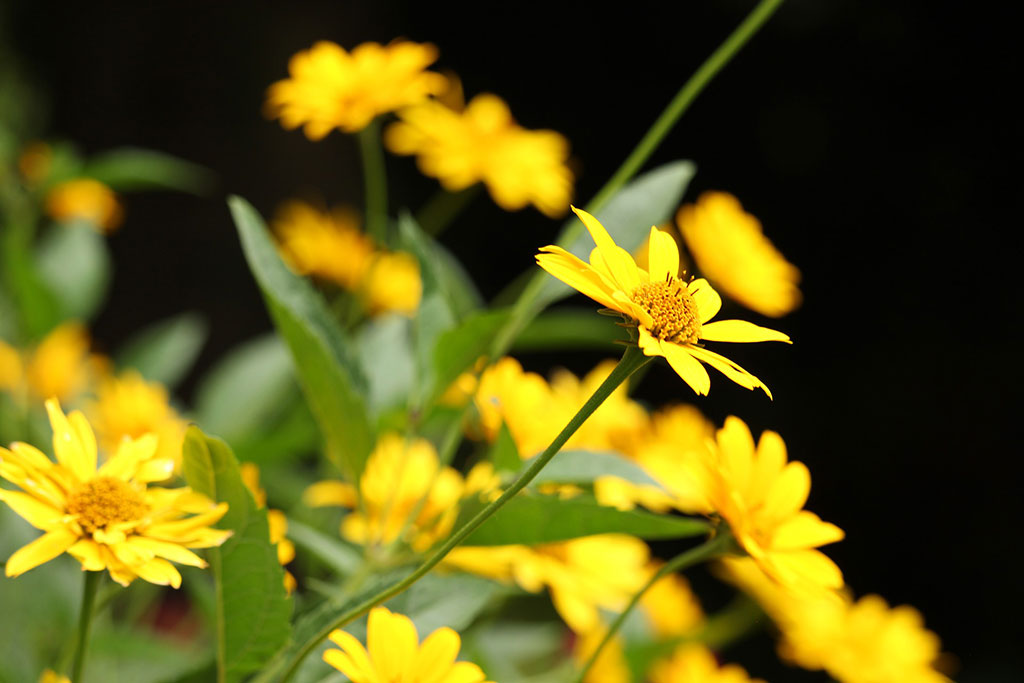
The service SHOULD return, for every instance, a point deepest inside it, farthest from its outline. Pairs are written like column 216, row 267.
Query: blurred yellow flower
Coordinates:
column 10, row 367
column 762, row 496
column 61, row 364
column 730, row 248
column 34, row 162
column 671, row 607
column 276, row 519
column 85, row 199
column 694, row 663
column 50, row 676
column 393, row 653
column 106, row 517
column 398, row 474
column 324, row 244
column 483, row 143
column 610, row 666
column 672, row 317
column 127, row 406
column 331, row 88
column 393, row 283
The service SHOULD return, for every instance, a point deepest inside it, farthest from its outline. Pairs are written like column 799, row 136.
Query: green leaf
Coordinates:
column 583, row 467
column 384, row 345
column 38, row 308
column 459, row 348
column 139, row 657
column 504, row 452
column 337, row 554
column 131, row 168
column 648, row 200
column 74, row 262
column 251, row 386
column 440, row 270
column 165, row 351
column 253, row 609
column 530, row 519
column 328, row 371
column 570, row 328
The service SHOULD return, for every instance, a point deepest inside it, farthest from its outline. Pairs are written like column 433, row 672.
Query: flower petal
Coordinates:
column 662, row 256
column 38, row 513
column 740, row 331
column 687, row 367
column 43, row 549
column 391, row 640
column 464, row 672
column 75, row 452
column 160, row 572
column 324, row 493
column 620, row 263
column 707, row 299
column 805, row 530
column 584, row 279
column 730, row 369
column 437, row 655
column 788, row 492
column 131, row 454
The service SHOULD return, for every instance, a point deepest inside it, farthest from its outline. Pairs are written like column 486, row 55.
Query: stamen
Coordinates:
column 672, row 309
column 105, row 500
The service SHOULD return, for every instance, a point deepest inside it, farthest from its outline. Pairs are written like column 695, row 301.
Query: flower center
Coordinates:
column 105, row 500
column 673, row 311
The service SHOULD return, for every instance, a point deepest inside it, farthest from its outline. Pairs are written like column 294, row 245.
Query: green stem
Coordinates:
column 375, row 181
column 217, row 569
column 92, row 582
column 713, row 547
column 632, row 360
column 439, row 211
column 525, row 307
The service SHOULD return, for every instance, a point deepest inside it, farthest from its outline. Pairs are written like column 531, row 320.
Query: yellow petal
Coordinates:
column 740, row 331
column 130, row 455
column 620, row 263
column 348, row 665
column 39, row 514
column 687, row 367
column 464, row 672
column 788, row 492
column 43, row 549
column 583, row 279
column 807, row 570
column 730, row 369
column 170, row 551
column 662, row 256
column 707, row 299
column 736, row 454
column 391, row 640
column 581, row 615
column 72, row 451
column 325, row 493
column 88, row 552
column 160, row 572
column 805, row 530
column 437, row 654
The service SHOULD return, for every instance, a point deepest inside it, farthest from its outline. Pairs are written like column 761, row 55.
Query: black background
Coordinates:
column 875, row 140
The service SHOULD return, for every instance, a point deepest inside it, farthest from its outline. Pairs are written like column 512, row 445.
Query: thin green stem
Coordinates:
column 217, row 568
column 89, row 587
column 526, row 306
column 713, row 547
column 632, row 360
column 375, row 181
column 441, row 209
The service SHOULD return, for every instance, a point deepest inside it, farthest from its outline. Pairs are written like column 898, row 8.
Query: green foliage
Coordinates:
column 332, row 551
column 570, row 329
column 441, row 272
column 384, row 346
column 74, row 262
column 504, row 452
column 140, row 657
column 253, row 609
column 37, row 306
column 131, row 168
column 457, row 349
column 329, row 373
column 165, row 351
column 583, row 467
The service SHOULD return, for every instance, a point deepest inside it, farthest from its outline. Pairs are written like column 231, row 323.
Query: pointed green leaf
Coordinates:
column 165, row 351
column 458, row 349
column 132, row 168
column 504, row 452
column 74, row 262
column 325, row 359
column 384, row 345
column 570, row 329
column 583, row 467
column 440, row 270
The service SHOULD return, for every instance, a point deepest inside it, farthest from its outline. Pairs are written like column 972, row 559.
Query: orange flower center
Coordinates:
column 673, row 311
column 105, row 500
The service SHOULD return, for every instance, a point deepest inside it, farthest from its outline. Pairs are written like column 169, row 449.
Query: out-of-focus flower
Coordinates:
column 129, row 406
column 398, row 475
column 610, row 666
column 855, row 642
column 393, row 283
column 393, row 653
column 324, row 244
column 730, row 248
column 671, row 316
column 276, row 520
column 10, row 367
column 483, row 143
column 106, row 517
column 761, row 496
column 34, row 162
column 61, row 364
column 51, row 676
column 331, row 88
column 671, row 607
column 694, row 663
column 87, row 200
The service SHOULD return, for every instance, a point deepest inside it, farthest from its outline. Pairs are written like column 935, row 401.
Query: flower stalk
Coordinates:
column 441, row 209
column 632, row 360
column 375, row 179
column 89, row 590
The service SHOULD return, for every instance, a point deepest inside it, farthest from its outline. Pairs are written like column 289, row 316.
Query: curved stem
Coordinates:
column 713, row 547
column 92, row 582
column 632, row 360
column 375, row 181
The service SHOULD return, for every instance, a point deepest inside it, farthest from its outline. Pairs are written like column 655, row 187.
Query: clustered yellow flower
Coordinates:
column 695, row 663
column 88, row 200
column 60, row 365
column 481, row 142
column 276, row 519
column 106, row 516
column 672, row 316
column 331, row 88
column 330, row 245
column 393, row 653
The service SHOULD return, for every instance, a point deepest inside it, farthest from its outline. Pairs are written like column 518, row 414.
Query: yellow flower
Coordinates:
column 128, row 406
column 87, row 200
column 761, row 496
column 61, row 365
column 394, row 654
column 106, row 517
column 694, row 663
column 10, row 367
column 731, row 250
column 50, row 676
column 483, row 143
column 671, row 607
column 276, row 519
column 583, row 574
column 325, row 244
column 610, row 667
column 331, row 88
column 672, row 317
column 397, row 476
column 393, row 283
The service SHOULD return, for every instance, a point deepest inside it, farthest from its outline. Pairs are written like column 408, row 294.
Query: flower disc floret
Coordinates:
column 673, row 312
column 103, row 501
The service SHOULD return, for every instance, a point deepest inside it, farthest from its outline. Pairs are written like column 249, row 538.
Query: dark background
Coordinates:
column 873, row 139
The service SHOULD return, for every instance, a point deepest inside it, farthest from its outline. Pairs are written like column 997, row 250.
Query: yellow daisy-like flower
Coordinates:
column 761, row 496
column 327, row 244
column 483, row 143
column 672, row 316
column 127, row 406
column 106, row 517
column 331, row 88
column 398, row 474
column 393, row 653
column 61, row 364
column 393, row 283
column 730, row 248
column 276, row 519
column 88, row 200
column 694, row 663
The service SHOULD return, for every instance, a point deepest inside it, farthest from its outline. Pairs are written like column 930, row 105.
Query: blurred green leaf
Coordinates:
column 74, row 261
column 504, row 452
column 38, row 308
column 334, row 552
column 130, row 168
column 140, row 657
column 440, row 270
column 515, row 651
column 384, row 345
column 570, row 329
column 281, row 439
column 253, row 607
column 583, row 467
column 458, row 349
column 329, row 373
column 165, row 351
column 251, row 386
column 530, row 519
